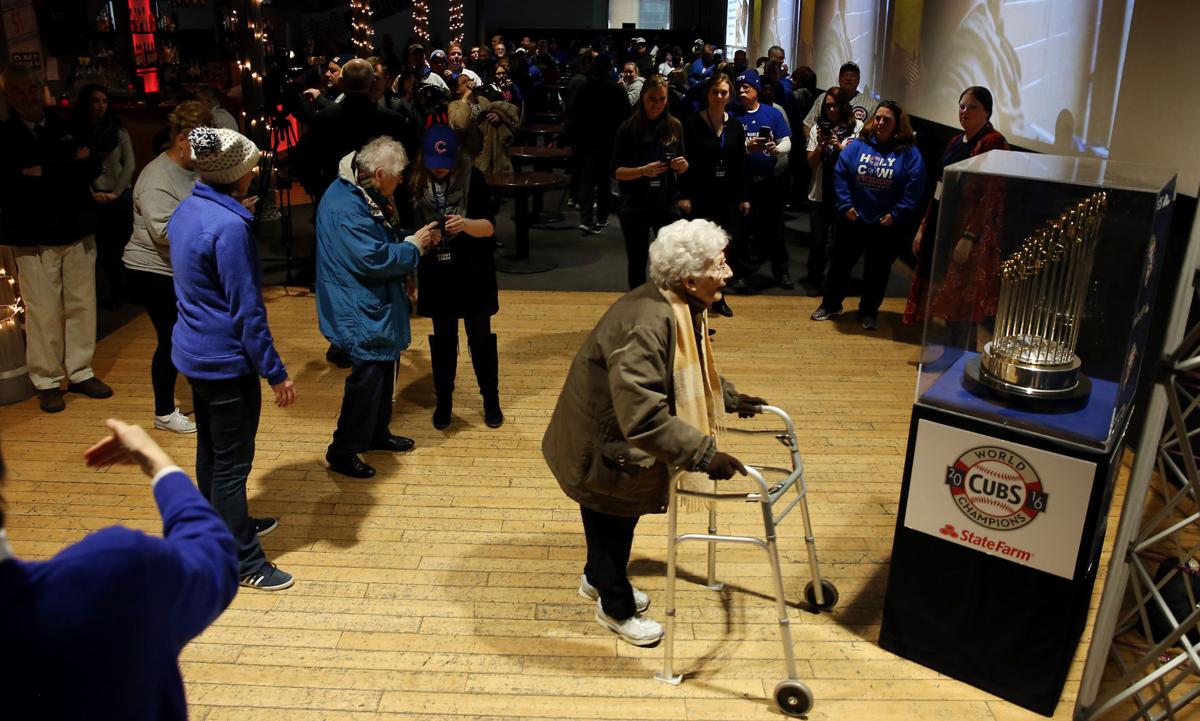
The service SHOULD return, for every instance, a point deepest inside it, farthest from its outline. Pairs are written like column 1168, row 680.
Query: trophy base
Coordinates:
column 978, row 381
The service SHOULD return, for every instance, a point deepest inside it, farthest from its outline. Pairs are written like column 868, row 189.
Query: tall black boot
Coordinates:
column 487, row 371
column 443, row 355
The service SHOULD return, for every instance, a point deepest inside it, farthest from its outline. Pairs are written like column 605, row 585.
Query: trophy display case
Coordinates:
column 1043, row 272
column 1040, row 295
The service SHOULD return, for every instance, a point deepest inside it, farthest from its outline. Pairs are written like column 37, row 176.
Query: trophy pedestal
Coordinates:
column 1050, row 390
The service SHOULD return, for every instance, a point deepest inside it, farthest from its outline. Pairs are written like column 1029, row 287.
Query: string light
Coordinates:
column 362, row 28
column 456, row 22
column 420, row 14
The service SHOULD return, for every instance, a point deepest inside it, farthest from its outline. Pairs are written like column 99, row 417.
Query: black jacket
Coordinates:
column 595, row 114
column 56, row 208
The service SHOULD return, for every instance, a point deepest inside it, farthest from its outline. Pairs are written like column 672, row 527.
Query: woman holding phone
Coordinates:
column 458, row 278
column 648, row 155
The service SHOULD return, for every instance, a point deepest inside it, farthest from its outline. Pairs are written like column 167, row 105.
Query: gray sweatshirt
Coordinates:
column 159, row 190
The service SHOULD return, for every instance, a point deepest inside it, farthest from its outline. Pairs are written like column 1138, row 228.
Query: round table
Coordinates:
column 523, row 186
column 543, row 159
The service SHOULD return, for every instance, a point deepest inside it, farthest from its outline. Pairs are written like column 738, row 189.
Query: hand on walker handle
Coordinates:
column 748, row 406
column 723, row 466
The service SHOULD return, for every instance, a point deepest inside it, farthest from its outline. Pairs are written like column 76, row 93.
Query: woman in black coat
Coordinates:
column 457, row 279
column 715, row 185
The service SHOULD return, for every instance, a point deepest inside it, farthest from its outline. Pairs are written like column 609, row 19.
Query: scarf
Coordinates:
column 381, row 207
column 697, row 389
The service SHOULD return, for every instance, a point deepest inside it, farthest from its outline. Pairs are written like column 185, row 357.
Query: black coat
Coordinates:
column 595, row 114
column 341, row 129
column 56, row 208
column 457, row 278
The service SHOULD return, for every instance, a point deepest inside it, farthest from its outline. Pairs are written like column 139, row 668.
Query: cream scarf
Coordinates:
column 698, row 397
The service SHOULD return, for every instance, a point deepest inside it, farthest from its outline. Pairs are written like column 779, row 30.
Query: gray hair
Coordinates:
column 685, row 249
column 382, row 153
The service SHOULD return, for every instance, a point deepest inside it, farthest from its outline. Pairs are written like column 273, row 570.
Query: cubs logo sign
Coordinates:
column 996, row 488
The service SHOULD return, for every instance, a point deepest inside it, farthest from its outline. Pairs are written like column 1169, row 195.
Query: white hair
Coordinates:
column 685, row 249
column 382, row 153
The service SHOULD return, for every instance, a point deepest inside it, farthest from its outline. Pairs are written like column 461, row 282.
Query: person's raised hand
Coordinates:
column 128, row 444
column 679, row 164
column 455, row 224
column 748, row 406
column 285, row 393
column 723, row 466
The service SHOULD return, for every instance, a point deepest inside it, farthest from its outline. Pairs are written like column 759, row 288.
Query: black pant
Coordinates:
column 609, row 539
column 227, row 414
column 821, row 217
column 366, row 408
column 636, row 226
column 113, row 228
column 478, row 327
column 881, row 246
column 766, row 222
column 157, row 293
column 595, row 187
column 724, row 211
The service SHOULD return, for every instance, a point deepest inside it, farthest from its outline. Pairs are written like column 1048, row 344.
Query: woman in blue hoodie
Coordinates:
column 879, row 179
column 221, row 342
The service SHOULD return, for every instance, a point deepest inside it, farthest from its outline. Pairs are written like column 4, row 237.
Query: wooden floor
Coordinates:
column 446, row 586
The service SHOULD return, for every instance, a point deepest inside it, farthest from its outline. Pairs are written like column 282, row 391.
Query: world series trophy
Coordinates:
column 1043, row 286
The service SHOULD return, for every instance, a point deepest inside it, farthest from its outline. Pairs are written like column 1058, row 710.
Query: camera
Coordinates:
column 824, row 127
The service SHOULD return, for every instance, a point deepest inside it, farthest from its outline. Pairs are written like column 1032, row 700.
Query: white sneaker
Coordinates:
column 175, row 422
column 640, row 600
column 637, row 629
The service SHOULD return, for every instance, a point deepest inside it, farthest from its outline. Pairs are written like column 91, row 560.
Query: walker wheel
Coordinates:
column 828, row 590
column 793, row 698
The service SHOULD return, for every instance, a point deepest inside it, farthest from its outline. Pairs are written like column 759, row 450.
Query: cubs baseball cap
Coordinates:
column 750, row 77
column 439, row 147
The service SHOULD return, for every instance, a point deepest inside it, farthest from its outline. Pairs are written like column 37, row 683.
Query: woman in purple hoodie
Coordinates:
column 879, row 179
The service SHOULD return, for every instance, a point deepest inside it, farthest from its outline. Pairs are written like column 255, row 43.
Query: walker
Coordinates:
column 791, row 695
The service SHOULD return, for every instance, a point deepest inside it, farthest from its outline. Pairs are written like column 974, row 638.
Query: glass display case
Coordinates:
column 1043, row 274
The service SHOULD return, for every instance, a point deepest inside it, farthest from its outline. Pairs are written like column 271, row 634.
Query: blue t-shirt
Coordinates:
column 760, row 163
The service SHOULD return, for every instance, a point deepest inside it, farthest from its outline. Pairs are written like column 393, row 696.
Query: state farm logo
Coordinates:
column 996, row 488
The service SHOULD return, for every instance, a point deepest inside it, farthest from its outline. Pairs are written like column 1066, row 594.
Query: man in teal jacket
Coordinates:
column 362, row 305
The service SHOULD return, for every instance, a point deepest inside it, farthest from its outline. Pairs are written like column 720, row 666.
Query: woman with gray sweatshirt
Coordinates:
column 159, row 190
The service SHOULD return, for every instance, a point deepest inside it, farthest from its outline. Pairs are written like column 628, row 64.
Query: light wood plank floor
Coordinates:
column 445, row 587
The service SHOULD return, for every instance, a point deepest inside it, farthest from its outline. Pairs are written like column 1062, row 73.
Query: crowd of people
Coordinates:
column 394, row 155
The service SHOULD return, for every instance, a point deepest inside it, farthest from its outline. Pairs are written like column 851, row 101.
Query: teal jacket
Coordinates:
column 362, row 306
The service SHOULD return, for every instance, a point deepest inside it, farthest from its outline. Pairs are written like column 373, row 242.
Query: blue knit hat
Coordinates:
column 440, row 147
column 750, row 77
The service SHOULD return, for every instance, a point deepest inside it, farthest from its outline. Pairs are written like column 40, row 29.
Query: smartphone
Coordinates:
column 765, row 133
column 824, row 127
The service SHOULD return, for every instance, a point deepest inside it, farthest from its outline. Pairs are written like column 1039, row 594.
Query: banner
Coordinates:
column 1008, row 500
column 21, row 33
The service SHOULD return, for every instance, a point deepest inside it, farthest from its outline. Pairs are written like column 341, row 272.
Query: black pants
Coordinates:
column 609, row 539
column 636, row 227
column 724, row 212
column 595, row 187
column 821, row 217
column 880, row 244
column 227, row 414
column 157, row 293
column 766, row 222
column 478, row 327
column 366, row 408
column 113, row 228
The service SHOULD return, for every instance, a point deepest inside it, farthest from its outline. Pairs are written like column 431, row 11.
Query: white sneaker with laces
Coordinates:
column 640, row 600
column 175, row 422
column 637, row 629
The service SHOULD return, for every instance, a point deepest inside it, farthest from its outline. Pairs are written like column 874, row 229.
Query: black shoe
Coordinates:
column 92, row 388
column 443, row 356
column 740, row 286
column 51, row 400
column 869, row 322
column 822, row 313
column 785, row 281
column 263, row 526
column 338, row 357
column 350, row 466
column 723, row 308
column 493, row 417
column 268, row 578
column 442, row 416
column 395, row 444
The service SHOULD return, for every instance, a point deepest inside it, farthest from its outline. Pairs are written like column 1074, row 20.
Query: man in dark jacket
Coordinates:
column 49, row 219
column 594, row 115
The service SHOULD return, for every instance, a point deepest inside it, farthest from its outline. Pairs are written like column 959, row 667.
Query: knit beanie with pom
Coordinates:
column 222, row 156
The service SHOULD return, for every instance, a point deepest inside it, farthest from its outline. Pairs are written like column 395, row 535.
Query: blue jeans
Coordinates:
column 227, row 412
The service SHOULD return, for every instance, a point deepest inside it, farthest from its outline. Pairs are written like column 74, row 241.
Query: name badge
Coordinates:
column 444, row 257
column 720, row 172
column 656, row 182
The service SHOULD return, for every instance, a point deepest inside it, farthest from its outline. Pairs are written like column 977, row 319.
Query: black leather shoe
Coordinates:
column 395, row 444
column 740, row 286
column 51, row 400
column 350, row 466
column 92, row 388
column 785, row 281
column 723, row 308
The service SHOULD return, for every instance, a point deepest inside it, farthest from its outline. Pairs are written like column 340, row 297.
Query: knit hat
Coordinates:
column 440, row 147
column 222, row 156
column 342, row 59
column 750, row 77
column 437, row 54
